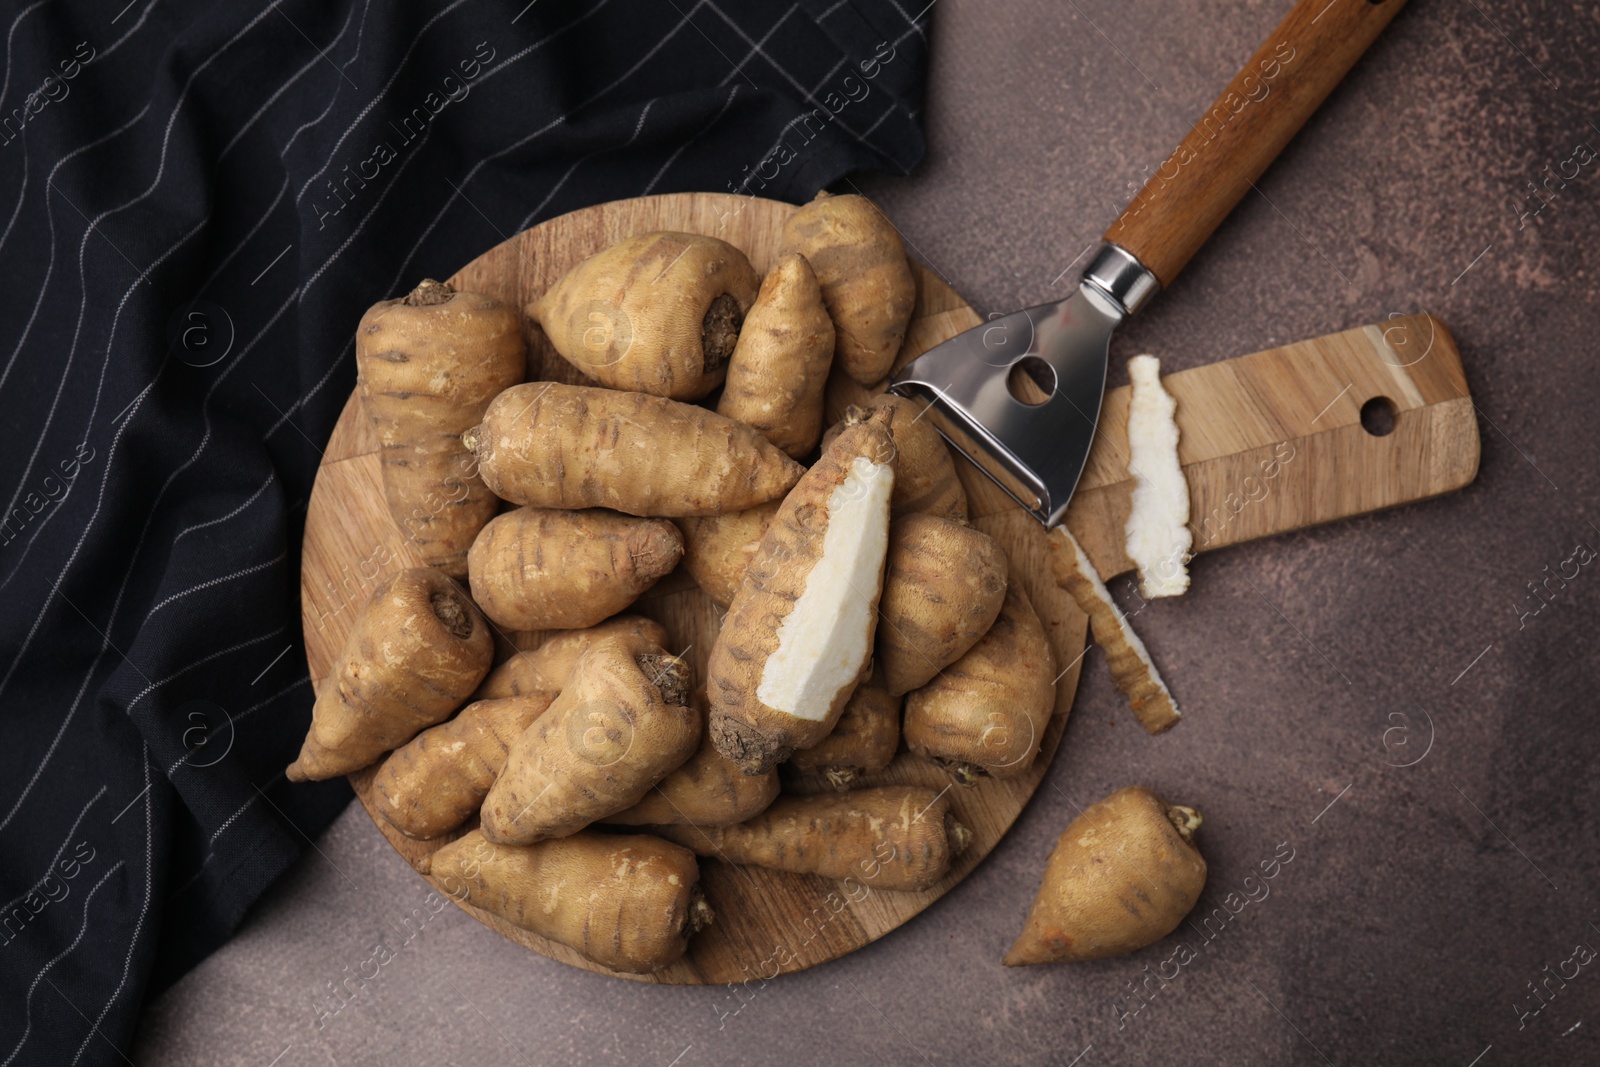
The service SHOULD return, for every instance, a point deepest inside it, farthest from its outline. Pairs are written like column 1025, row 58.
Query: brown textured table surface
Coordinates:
column 1421, row 901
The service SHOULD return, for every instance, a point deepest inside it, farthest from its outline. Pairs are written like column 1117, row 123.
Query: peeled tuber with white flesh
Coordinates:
column 1132, row 669
column 548, row 445
column 1157, row 530
column 630, row 903
column 622, row 723
column 1122, row 876
column 656, row 313
column 797, row 638
column 899, row 837
column 427, row 365
column 416, row 652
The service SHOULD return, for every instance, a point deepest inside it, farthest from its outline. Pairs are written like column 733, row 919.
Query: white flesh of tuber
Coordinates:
column 1158, row 537
column 826, row 639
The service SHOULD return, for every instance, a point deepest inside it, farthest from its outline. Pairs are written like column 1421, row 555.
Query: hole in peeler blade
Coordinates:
column 1031, row 380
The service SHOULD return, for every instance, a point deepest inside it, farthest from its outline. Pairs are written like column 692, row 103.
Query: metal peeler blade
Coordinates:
column 1034, row 451
column 1037, row 451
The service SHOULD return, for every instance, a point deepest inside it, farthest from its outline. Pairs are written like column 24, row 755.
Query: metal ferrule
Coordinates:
column 1116, row 274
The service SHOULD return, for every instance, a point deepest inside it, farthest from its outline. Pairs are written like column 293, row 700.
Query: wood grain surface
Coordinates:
column 1236, row 417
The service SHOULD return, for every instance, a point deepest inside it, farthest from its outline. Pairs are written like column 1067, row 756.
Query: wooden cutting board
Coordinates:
column 1271, row 442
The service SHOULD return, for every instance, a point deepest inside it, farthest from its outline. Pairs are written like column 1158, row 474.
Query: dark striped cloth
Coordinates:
column 197, row 200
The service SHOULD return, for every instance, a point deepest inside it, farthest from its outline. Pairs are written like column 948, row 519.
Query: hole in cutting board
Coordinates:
column 1031, row 380
column 1377, row 416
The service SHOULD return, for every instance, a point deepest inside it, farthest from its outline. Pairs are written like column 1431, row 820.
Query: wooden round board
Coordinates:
column 766, row 921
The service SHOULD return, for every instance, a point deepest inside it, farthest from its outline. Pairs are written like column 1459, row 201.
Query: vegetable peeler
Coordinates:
column 1020, row 396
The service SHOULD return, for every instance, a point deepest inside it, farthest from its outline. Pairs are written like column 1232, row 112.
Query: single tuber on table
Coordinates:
column 1123, row 875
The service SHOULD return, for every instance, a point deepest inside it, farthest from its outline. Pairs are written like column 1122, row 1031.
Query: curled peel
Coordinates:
column 1132, row 669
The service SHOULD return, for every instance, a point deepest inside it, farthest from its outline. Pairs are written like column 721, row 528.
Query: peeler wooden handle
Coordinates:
column 1261, row 109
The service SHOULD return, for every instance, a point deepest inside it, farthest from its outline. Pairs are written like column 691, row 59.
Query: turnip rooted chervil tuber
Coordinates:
column 1123, row 875
column 547, row 569
column 942, row 590
column 630, row 903
column 986, row 713
column 925, row 479
column 717, row 549
column 899, row 837
column 780, row 367
column 862, row 742
column 867, row 283
column 438, row 780
column 659, row 313
column 798, row 637
column 622, row 723
column 418, row 649
column 545, row 670
column 428, row 365
column 547, row 445
column 707, row 790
